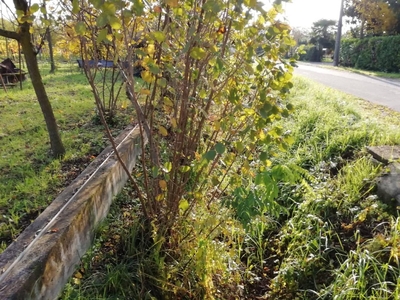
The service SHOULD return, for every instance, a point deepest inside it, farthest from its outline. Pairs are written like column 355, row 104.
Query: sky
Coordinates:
column 303, row 13
column 299, row 13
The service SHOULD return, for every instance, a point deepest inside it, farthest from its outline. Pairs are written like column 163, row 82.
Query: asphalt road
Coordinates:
column 374, row 89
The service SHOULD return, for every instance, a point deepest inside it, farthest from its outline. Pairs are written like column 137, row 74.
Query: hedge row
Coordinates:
column 311, row 53
column 376, row 53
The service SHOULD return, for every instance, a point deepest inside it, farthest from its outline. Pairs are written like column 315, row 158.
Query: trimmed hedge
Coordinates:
column 376, row 53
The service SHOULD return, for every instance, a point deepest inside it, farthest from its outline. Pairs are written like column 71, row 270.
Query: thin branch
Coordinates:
column 10, row 34
column 9, row 9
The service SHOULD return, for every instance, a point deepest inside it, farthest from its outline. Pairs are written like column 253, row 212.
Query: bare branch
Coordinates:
column 9, row 34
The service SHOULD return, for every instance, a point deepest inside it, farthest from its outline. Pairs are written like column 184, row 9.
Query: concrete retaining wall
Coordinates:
column 39, row 263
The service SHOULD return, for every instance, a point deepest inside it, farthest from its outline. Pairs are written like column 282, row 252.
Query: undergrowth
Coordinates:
column 321, row 232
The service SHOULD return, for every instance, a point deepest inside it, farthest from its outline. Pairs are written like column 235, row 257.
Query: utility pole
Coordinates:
column 338, row 37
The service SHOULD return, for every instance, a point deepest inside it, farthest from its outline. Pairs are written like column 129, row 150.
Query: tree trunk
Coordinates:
column 49, row 42
column 31, row 62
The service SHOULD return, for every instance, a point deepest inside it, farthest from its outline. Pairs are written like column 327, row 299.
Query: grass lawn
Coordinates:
column 334, row 238
column 29, row 177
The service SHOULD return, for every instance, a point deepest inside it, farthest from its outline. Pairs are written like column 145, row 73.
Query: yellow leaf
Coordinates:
column 168, row 102
column 162, row 130
column 150, row 49
column 162, row 184
column 197, row 155
column 114, row 22
column 174, row 123
column 183, row 204
column 78, row 275
column 145, row 92
column 198, row 195
column 159, row 197
column 147, row 76
column 178, row 11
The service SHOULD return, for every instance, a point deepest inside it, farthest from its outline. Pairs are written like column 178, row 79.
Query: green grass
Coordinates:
column 335, row 239
column 29, row 177
column 324, row 245
column 373, row 73
column 359, row 71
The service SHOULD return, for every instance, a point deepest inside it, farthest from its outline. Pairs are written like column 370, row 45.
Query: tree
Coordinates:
column 49, row 39
column 323, row 33
column 300, row 35
column 374, row 17
column 23, row 36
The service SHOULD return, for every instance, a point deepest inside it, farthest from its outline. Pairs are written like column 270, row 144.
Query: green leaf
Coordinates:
column 183, row 204
column 102, row 20
column 154, row 69
column 75, row 6
column 167, row 167
column 102, row 35
column 159, row 36
column 138, row 7
column 34, row 8
column 210, row 155
column 162, row 82
column 220, row 148
column 97, row 3
column 20, row 13
column 215, row 180
column 115, row 22
column 285, row 113
column 259, row 179
column 198, row 53
column 154, row 171
column 80, row 28
column 239, row 146
column 184, row 169
column 109, row 8
column 263, row 156
column 213, row 6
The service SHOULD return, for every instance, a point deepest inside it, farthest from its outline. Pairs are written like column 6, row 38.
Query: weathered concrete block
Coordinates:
column 39, row 263
column 385, row 154
column 388, row 185
column 388, row 188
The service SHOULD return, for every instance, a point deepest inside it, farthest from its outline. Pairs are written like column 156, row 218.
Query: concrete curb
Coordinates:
column 39, row 263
